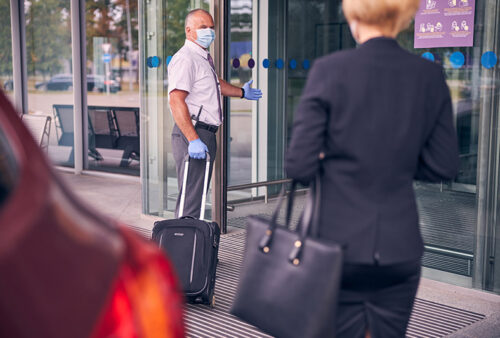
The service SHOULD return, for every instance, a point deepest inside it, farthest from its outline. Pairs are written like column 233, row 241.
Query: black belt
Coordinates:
column 208, row 127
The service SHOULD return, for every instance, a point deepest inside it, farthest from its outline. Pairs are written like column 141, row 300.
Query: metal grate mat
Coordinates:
column 428, row 319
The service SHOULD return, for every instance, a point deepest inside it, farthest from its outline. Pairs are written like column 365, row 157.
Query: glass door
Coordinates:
column 274, row 43
column 162, row 35
column 448, row 210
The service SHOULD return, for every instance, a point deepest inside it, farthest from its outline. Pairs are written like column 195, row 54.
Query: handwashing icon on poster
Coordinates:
column 444, row 23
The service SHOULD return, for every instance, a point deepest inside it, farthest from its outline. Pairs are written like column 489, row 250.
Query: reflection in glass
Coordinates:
column 113, row 86
column 50, row 79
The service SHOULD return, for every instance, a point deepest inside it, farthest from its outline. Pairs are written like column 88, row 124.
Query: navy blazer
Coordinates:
column 383, row 118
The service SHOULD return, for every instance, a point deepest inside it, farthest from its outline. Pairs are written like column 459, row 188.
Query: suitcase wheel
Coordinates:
column 212, row 302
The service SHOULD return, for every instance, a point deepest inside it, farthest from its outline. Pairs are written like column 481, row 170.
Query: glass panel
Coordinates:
column 163, row 28
column 6, row 79
column 449, row 211
column 290, row 37
column 113, row 86
column 312, row 29
column 458, row 218
column 240, row 118
column 50, row 79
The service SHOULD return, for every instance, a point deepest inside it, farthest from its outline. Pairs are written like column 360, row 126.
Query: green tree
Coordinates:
column 108, row 19
column 174, row 23
column 173, row 20
column 99, row 22
column 5, row 39
column 121, row 23
column 48, row 36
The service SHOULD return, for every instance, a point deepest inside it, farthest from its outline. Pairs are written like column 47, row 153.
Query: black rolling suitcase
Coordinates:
column 192, row 246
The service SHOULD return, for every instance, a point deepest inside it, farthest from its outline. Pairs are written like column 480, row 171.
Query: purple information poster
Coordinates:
column 444, row 23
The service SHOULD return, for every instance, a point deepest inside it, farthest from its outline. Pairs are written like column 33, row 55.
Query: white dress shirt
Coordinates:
column 189, row 70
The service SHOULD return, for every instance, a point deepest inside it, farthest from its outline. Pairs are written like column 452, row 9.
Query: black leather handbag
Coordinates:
column 290, row 279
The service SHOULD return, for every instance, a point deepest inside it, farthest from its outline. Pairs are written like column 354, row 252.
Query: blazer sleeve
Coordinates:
column 439, row 157
column 309, row 128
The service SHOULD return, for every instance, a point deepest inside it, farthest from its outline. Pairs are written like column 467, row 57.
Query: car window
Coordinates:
column 8, row 169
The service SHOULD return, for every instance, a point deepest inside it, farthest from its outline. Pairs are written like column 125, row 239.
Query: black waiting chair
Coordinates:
column 63, row 116
column 102, row 129
column 108, row 127
column 127, row 125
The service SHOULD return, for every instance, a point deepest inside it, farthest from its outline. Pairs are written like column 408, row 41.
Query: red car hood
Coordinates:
column 59, row 261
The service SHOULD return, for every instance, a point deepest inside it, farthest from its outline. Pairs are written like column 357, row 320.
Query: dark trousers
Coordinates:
column 196, row 172
column 378, row 299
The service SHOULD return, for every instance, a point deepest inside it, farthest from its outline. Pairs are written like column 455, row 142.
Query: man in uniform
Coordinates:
column 195, row 101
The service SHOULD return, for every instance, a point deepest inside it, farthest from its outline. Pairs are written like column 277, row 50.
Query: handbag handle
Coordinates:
column 266, row 240
column 308, row 222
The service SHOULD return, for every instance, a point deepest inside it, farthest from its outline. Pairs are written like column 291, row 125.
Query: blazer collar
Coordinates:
column 380, row 42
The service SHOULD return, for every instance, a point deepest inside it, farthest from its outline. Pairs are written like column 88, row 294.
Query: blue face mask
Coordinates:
column 205, row 37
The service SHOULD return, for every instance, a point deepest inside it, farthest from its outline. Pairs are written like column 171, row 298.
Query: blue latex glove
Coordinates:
column 251, row 93
column 197, row 149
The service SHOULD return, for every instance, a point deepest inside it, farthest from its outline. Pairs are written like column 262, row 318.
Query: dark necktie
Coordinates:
column 211, row 62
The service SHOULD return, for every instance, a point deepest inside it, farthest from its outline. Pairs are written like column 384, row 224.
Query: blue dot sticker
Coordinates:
column 429, row 56
column 251, row 63
column 169, row 58
column 293, row 64
column 457, row 60
column 156, row 61
column 306, row 64
column 266, row 63
column 236, row 63
column 153, row 61
column 489, row 60
column 280, row 63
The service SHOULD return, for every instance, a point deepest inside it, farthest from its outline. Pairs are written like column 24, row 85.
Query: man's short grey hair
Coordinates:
column 190, row 15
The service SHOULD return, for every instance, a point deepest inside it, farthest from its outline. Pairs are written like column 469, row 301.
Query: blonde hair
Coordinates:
column 391, row 16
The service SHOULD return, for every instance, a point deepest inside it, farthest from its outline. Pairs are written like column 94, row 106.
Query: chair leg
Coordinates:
column 95, row 154
column 126, row 157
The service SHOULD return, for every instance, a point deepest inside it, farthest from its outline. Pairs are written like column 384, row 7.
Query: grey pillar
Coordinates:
column 220, row 169
column 80, row 118
column 19, row 63
column 486, row 272
column 142, row 124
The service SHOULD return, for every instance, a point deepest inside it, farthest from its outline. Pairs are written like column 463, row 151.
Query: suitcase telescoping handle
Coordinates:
column 205, row 187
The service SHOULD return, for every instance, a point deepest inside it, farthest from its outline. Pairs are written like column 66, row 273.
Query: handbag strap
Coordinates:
column 313, row 228
column 308, row 223
column 291, row 199
column 266, row 240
